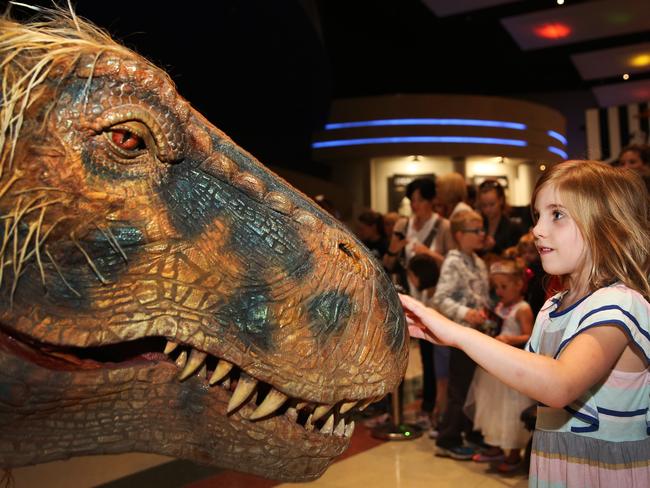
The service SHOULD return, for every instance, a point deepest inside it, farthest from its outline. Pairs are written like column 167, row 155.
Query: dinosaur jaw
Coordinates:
column 139, row 404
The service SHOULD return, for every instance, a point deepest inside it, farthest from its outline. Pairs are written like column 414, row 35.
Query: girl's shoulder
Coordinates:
column 616, row 295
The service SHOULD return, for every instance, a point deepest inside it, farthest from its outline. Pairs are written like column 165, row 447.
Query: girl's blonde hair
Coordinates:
column 527, row 241
column 510, row 267
column 460, row 220
column 610, row 208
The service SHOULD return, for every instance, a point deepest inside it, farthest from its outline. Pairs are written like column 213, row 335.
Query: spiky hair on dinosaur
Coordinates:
column 161, row 290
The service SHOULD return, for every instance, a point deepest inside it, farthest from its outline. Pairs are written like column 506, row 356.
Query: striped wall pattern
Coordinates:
column 612, row 128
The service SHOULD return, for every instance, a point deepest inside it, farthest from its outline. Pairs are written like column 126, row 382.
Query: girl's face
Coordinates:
column 472, row 237
column 490, row 204
column 508, row 288
column 557, row 237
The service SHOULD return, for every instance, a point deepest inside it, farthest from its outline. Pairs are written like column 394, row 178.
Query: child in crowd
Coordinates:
column 423, row 273
column 536, row 279
column 587, row 360
column 462, row 295
column 496, row 406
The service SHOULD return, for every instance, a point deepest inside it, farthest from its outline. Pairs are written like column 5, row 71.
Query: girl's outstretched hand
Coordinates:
column 423, row 322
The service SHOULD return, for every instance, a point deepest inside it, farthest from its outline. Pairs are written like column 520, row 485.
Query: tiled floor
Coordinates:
column 368, row 462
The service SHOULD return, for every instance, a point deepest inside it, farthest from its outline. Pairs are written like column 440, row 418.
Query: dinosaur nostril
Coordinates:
column 344, row 247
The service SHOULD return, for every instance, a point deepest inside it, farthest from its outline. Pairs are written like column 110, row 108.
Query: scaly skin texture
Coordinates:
column 130, row 225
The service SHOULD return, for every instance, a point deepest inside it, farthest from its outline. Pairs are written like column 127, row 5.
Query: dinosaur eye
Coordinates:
column 127, row 140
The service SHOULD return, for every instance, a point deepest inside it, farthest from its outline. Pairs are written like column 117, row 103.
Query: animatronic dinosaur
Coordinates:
column 160, row 290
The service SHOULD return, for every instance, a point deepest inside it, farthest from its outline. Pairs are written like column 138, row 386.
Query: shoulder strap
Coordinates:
column 432, row 234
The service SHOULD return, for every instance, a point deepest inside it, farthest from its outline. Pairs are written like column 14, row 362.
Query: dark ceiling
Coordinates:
column 393, row 46
column 265, row 71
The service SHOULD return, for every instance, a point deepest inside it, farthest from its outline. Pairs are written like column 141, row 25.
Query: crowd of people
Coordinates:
column 481, row 269
column 475, row 265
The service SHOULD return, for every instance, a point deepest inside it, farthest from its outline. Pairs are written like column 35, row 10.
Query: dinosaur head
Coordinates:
column 161, row 290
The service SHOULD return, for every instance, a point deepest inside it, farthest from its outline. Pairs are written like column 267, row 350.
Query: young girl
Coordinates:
column 496, row 406
column 462, row 294
column 423, row 273
column 587, row 360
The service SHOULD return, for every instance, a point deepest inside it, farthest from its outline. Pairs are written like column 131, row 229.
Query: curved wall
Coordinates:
column 458, row 125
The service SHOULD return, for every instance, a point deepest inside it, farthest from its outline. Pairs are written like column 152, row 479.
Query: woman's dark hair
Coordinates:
column 491, row 184
column 370, row 217
column 426, row 269
column 427, row 187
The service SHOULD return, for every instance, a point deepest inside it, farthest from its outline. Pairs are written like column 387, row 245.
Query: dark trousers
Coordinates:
column 428, row 376
column 454, row 421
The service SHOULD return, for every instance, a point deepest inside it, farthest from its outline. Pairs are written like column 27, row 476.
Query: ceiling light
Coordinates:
column 626, row 76
column 560, row 2
column 542, row 167
column 640, row 60
column 555, row 30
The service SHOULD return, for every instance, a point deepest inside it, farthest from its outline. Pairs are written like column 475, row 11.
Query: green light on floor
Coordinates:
column 407, row 433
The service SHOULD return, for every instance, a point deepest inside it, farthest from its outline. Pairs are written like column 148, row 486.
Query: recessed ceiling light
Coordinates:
column 555, row 30
column 542, row 167
column 640, row 60
column 560, row 2
column 626, row 76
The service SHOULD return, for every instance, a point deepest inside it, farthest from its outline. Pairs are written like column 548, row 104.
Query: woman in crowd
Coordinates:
column 501, row 232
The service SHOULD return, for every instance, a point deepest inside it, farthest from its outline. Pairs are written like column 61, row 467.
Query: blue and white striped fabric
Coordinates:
column 597, row 436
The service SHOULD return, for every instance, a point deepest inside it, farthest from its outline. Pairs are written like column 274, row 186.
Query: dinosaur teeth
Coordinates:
column 340, row 428
column 309, row 425
column 349, row 429
column 274, row 400
column 364, row 404
column 222, row 369
column 181, row 360
column 320, row 411
column 292, row 414
column 245, row 386
column 345, row 407
column 196, row 360
column 191, row 361
column 329, row 425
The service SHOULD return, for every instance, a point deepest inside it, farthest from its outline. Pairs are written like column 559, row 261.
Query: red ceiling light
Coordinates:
column 556, row 30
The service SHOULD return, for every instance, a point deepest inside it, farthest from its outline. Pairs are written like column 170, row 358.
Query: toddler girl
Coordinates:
column 497, row 407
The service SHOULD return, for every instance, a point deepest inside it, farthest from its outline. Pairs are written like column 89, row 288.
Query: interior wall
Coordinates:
column 521, row 176
column 381, row 169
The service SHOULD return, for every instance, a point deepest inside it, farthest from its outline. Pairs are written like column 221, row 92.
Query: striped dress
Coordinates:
column 603, row 438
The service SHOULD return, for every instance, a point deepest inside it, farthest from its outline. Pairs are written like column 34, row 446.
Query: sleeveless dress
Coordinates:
column 603, row 438
column 495, row 406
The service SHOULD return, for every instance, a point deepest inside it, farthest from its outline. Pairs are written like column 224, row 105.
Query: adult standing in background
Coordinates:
column 390, row 219
column 370, row 230
column 452, row 194
column 425, row 232
column 500, row 232
column 635, row 157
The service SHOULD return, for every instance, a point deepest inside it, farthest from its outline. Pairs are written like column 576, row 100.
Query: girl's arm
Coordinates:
column 555, row 382
column 524, row 317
